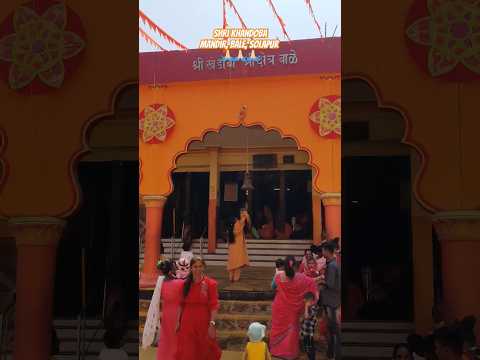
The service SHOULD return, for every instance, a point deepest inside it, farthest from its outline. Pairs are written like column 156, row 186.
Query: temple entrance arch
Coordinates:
column 209, row 187
column 382, row 214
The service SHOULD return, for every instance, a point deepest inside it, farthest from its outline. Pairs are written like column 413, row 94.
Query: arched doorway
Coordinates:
column 100, row 238
column 377, row 172
column 281, row 196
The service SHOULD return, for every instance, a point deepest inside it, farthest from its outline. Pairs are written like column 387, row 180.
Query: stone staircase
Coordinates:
column 372, row 340
column 262, row 253
column 94, row 332
column 360, row 340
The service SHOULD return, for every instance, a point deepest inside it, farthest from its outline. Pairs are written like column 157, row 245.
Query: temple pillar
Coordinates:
column 459, row 236
column 333, row 214
column 212, row 202
column 317, row 217
column 36, row 239
column 154, row 205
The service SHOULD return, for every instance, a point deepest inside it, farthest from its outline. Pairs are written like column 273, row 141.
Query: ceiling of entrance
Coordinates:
column 232, row 138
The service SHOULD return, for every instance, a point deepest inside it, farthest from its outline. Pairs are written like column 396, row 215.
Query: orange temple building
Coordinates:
column 436, row 127
column 294, row 91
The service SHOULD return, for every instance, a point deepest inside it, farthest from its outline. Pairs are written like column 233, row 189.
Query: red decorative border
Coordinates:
column 419, row 53
column 316, row 126
column 74, row 24
column 406, row 139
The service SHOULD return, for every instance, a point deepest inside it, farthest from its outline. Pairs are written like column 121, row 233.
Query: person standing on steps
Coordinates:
column 331, row 298
column 287, row 309
column 237, row 247
column 196, row 326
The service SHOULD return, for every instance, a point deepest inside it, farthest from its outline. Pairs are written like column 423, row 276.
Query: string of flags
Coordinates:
column 147, row 21
column 157, row 29
column 312, row 14
column 231, row 4
column 150, row 40
column 280, row 20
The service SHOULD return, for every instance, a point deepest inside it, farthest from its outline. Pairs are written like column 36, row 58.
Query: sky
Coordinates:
column 188, row 21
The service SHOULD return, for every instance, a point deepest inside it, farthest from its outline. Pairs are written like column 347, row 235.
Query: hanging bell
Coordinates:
column 240, row 55
column 252, row 55
column 247, row 182
column 227, row 54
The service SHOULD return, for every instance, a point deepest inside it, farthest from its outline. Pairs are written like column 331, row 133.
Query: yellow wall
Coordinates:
column 280, row 103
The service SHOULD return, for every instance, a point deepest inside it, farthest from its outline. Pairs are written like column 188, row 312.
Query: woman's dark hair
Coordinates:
column 329, row 246
column 248, row 225
column 336, row 243
column 189, row 280
column 316, row 249
column 166, row 267
column 397, row 348
column 230, row 227
column 279, row 263
column 290, row 266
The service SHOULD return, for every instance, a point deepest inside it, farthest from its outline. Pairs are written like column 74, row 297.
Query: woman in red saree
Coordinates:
column 287, row 308
column 196, row 333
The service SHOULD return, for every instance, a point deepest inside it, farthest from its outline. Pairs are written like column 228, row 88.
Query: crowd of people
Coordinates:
column 186, row 301
column 306, row 291
column 455, row 341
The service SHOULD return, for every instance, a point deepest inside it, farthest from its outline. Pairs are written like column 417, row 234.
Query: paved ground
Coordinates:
column 149, row 354
column 252, row 278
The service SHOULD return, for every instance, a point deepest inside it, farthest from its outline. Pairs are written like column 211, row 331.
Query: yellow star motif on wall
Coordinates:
column 39, row 46
column 328, row 117
column 155, row 123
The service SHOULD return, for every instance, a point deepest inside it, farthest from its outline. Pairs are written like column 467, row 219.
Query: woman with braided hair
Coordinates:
column 168, row 294
column 287, row 308
column 196, row 327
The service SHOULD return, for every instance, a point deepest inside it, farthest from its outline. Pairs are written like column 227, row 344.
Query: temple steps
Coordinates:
column 94, row 332
column 360, row 340
column 262, row 253
column 67, row 334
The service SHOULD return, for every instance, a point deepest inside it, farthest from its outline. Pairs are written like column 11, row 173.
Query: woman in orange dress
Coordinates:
column 237, row 248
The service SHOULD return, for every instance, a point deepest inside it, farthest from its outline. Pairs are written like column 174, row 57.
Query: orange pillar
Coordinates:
column 154, row 206
column 36, row 240
column 317, row 217
column 212, row 202
column 459, row 235
column 333, row 214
